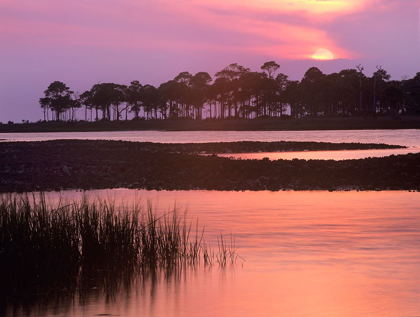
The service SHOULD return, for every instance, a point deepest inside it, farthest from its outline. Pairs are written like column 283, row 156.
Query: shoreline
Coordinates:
column 85, row 165
column 210, row 148
column 229, row 124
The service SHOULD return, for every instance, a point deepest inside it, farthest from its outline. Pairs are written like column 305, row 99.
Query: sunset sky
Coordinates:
column 85, row 42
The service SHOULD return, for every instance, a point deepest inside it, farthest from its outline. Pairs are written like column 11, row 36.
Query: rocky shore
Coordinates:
column 79, row 164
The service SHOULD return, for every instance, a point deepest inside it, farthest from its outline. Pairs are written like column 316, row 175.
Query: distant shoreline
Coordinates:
column 87, row 165
column 230, row 124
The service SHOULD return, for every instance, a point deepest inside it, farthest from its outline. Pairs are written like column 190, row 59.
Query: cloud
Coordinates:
column 385, row 29
column 279, row 28
column 83, row 42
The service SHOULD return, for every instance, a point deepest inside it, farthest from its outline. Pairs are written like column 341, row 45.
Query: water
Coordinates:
column 410, row 138
column 398, row 137
column 307, row 254
column 321, row 155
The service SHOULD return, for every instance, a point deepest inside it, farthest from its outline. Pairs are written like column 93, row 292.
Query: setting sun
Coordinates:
column 323, row 54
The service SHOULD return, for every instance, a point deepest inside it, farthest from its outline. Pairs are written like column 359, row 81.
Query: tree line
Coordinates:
column 240, row 93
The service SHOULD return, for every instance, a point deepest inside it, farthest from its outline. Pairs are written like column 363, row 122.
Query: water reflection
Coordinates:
column 110, row 294
column 307, row 254
column 321, row 155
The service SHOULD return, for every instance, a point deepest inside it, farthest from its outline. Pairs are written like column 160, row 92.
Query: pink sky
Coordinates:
column 85, row 42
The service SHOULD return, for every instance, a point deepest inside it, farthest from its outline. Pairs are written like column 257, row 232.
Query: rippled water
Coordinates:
column 410, row 138
column 307, row 254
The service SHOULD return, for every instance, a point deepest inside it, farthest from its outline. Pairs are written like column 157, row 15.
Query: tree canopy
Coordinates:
column 58, row 98
column 236, row 91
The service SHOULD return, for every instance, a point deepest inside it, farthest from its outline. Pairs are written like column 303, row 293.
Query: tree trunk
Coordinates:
column 360, row 94
column 374, row 95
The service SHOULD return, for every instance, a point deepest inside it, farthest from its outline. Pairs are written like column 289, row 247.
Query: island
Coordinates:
column 85, row 164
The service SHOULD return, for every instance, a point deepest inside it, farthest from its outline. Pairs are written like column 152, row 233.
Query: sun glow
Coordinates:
column 305, row 7
column 323, row 54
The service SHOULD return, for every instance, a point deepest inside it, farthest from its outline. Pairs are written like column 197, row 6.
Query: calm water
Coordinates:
column 400, row 137
column 321, row 155
column 410, row 138
column 307, row 254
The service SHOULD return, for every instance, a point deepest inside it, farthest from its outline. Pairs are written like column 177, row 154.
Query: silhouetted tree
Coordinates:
column 245, row 94
column 118, row 99
column 270, row 68
column 101, row 100
column 269, row 97
column 134, row 97
column 229, row 76
column 221, row 94
column 58, row 98
column 150, row 101
column 411, row 88
column 380, row 78
column 347, row 90
column 392, row 98
column 293, row 96
column 199, row 91
column 170, row 93
column 86, row 101
column 313, row 90
column 282, row 82
column 238, row 92
column 184, row 93
column 74, row 105
column 360, row 69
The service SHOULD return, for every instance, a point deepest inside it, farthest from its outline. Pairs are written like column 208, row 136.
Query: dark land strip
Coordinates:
column 78, row 164
column 228, row 124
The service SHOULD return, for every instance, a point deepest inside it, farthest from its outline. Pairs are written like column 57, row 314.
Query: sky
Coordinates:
column 83, row 42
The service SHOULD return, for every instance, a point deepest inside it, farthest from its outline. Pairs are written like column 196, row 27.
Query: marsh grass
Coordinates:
column 226, row 251
column 46, row 247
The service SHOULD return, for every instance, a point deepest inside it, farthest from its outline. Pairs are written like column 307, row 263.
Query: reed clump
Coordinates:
column 45, row 247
